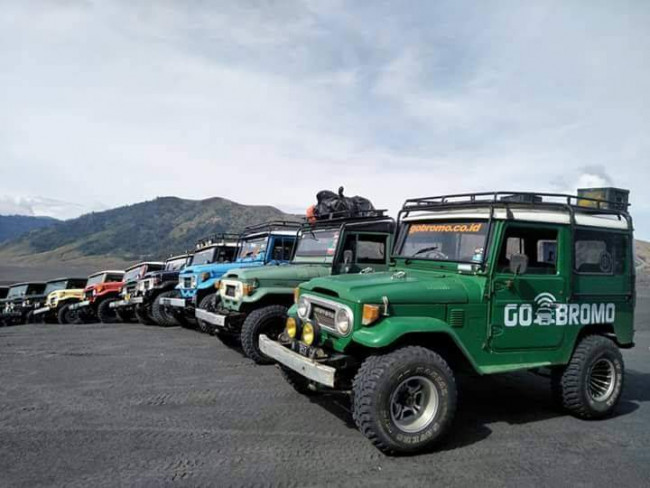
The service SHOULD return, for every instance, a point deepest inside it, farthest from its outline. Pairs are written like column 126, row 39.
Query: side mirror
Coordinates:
column 347, row 257
column 518, row 264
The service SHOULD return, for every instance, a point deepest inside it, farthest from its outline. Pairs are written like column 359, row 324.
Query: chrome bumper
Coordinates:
column 77, row 306
column 41, row 310
column 210, row 317
column 119, row 304
column 307, row 367
column 173, row 302
column 137, row 300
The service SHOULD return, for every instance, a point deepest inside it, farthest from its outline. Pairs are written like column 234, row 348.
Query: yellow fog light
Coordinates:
column 308, row 334
column 370, row 314
column 291, row 328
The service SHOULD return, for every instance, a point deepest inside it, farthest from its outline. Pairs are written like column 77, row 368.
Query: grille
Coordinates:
column 187, row 282
column 88, row 295
column 230, row 290
column 323, row 315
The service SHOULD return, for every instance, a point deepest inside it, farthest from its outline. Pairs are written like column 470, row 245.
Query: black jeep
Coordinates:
column 21, row 301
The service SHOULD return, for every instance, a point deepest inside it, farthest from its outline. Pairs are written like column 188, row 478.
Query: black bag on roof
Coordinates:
column 338, row 205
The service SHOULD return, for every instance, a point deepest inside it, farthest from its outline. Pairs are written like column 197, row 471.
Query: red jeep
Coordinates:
column 101, row 288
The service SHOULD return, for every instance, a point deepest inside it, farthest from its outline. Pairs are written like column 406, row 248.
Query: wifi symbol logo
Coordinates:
column 545, row 304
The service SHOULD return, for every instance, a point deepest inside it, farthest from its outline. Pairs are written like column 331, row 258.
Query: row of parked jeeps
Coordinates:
column 390, row 312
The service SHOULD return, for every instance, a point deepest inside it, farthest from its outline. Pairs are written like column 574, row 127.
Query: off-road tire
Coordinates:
column 67, row 316
column 571, row 385
column 143, row 317
column 297, row 381
column 207, row 303
column 160, row 316
column 377, row 382
column 125, row 316
column 105, row 314
column 268, row 320
column 30, row 318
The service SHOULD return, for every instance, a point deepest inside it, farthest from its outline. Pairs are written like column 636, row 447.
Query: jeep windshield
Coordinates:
column 206, row 256
column 457, row 241
column 175, row 264
column 17, row 291
column 134, row 274
column 316, row 246
column 253, row 249
column 54, row 286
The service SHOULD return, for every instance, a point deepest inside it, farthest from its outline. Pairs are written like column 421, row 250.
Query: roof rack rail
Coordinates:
column 346, row 216
column 215, row 239
column 271, row 225
column 582, row 202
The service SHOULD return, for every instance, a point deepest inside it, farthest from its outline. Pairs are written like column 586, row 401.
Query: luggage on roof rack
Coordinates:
column 332, row 205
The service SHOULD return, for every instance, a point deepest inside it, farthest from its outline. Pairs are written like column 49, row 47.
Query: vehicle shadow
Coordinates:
column 515, row 399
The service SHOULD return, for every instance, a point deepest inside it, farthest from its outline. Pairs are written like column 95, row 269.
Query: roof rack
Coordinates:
column 271, row 226
column 514, row 198
column 344, row 217
column 216, row 239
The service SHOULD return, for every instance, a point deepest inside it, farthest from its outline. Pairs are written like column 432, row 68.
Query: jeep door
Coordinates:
column 523, row 304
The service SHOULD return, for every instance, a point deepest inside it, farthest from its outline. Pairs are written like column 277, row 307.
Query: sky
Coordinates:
column 106, row 103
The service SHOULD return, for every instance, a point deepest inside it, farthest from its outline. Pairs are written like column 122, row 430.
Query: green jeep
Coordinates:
column 489, row 283
column 255, row 300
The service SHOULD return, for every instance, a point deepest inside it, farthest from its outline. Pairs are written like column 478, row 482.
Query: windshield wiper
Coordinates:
column 426, row 249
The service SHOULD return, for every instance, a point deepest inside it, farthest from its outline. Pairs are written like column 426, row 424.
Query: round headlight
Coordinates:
column 291, row 328
column 303, row 308
column 308, row 334
column 342, row 321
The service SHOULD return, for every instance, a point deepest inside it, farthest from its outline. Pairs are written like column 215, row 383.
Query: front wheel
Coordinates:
column 158, row 312
column 209, row 303
column 268, row 320
column 143, row 316
column 105, row 313
column 67, row 316
column 590, row 386
column 404, row 401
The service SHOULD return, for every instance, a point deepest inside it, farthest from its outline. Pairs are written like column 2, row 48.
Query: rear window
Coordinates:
column 598, row 252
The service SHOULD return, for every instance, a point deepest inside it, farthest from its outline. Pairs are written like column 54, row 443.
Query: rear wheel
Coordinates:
column 269, row 321
column 105, row 313
column 143, row 316
column 158, row 312
column 404, row 401
column 590, row 386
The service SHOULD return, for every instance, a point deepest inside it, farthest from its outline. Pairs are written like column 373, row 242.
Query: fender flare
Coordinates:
column 392, row 329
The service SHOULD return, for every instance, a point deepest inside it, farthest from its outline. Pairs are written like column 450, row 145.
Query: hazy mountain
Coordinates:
column 151, row 229
column 13, row 226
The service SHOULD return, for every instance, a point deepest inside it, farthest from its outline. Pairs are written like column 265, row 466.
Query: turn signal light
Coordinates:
column 247, row 289
column 370, row 314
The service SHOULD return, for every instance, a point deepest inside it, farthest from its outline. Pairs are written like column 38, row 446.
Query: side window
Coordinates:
column 599, row 252
column 371, row 249
column 366, row 249
column 539, row 244
column 282, row 249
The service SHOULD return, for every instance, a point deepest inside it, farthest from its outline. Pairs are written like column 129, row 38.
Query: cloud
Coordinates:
column 268, row 103
column 46, row 207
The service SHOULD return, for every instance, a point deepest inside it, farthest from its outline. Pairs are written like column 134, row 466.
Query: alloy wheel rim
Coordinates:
column 414, row 404
column 602, row 380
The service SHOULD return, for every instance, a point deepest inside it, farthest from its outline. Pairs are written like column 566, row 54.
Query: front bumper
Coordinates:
column 78, row 305
column 173, row 302
column 42, row 310
column 308, row 368
column 211, row 317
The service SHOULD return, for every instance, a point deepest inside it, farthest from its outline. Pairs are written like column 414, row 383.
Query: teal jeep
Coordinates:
column 255, row 300
column 489, row 283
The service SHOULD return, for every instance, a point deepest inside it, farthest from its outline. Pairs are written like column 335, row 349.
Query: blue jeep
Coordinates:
column 271, row 243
